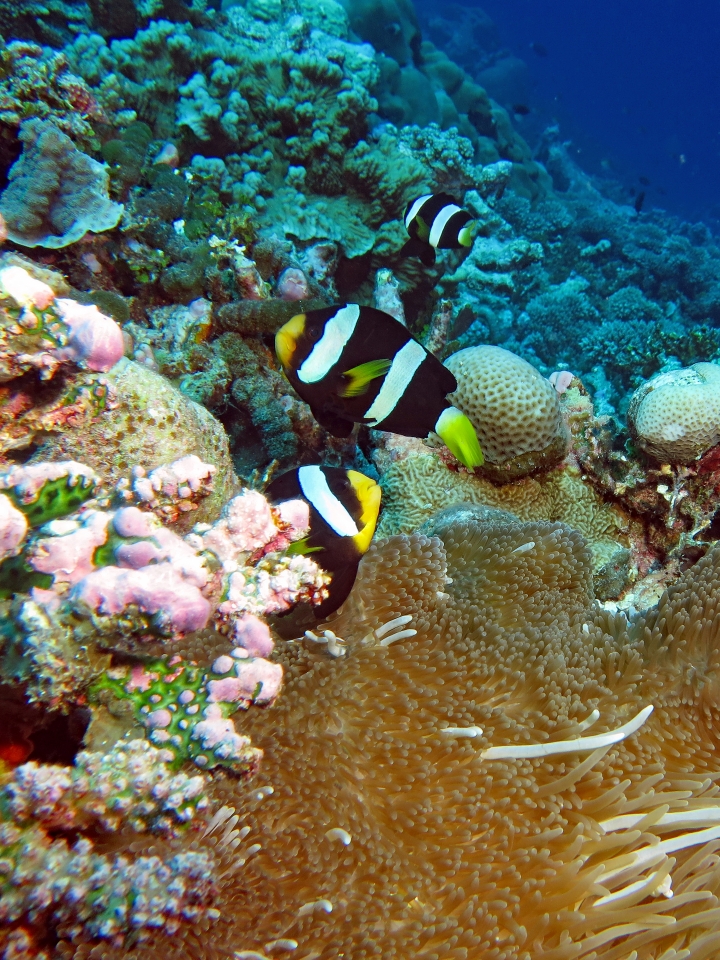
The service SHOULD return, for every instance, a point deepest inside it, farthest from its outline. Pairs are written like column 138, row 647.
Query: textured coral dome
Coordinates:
column 392, row 832
column 514, row 409
column 675, row 417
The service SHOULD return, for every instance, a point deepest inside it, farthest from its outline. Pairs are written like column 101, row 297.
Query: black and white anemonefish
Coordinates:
column 356, row 364
column 435, row 221
column 344, row 507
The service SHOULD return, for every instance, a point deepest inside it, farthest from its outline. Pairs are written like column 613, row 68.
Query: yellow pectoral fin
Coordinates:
column 423, row 230
column 369, row 495
column 468, row 233
column 360, row 377
column 301, row 548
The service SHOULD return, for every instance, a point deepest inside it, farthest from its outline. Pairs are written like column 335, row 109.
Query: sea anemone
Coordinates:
column 435, row 792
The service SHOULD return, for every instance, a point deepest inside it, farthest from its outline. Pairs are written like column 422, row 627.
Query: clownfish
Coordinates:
column 356, row 364
column 344, row 507
column 436, row 222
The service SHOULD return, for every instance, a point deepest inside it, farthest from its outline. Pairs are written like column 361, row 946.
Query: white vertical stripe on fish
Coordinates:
column 314, row 486
column 328, row 350
column 440, row 222
column 403, row 368
column 415, row 209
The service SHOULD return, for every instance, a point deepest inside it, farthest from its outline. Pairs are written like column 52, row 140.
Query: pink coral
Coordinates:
column 293, row 285
column 168, row 155
column 561, row 380
column 179, row 479
column 217, row 733
column 13, row 527
column 158, row 590
column 246, row 525
column 255, row 680
column 131, row 522
column 253, row 635
column 69, row 557
column 296, row 514
column 25, row 290
column 27, row 481
column 95, row 339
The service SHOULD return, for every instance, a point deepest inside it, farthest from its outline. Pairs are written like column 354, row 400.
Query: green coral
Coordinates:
column 17, row 576
column 179, row 692
column 56, row 498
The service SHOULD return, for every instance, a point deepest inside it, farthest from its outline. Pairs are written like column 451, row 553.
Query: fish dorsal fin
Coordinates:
column 361, row 376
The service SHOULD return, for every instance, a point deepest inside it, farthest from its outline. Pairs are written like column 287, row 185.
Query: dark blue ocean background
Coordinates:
column 633, row 86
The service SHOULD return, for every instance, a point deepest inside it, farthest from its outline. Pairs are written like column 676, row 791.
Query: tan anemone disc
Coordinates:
column 401, row 825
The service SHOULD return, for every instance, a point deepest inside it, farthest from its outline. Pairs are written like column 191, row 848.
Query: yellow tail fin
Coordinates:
column 458, row 435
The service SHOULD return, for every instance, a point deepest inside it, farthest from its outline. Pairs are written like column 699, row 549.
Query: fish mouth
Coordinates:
column 286, row 339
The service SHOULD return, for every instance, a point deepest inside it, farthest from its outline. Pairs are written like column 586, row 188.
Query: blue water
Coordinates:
column 634, row 86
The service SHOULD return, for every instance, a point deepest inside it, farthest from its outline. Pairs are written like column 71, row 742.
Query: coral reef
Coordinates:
column 147, row 422
column 416, row 487
column 82, row 583
column 63, row 888
column 36, row 82
column 186, row 710
column 420, row 775
column 48, row 344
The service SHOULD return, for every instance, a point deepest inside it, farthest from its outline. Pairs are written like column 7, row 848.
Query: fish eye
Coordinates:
column 314, row 332
column 393, row 29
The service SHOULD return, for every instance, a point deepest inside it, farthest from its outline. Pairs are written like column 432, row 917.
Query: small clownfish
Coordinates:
column 356, row 364
column 436, row 222
column 344, row 507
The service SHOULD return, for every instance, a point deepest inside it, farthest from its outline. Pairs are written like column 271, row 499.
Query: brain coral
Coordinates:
column 417, row 486
column 514, row 409
column 675, row 417
column 403, row 825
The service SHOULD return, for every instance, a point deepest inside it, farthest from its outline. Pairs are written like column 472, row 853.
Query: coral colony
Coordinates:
column 275, row 683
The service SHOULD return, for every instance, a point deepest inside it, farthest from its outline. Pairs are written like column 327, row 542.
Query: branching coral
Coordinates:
column 65, row 888
column 398, row 833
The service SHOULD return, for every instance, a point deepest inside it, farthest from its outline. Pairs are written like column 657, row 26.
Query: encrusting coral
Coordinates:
column 56, row 193
column 436, row 792
column 416, row 487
